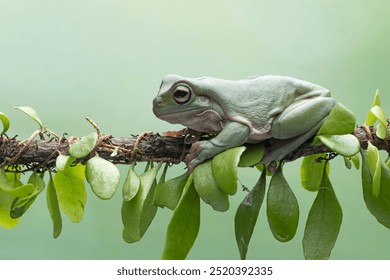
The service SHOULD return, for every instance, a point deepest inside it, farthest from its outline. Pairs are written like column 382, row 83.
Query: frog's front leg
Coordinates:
column 232, row 135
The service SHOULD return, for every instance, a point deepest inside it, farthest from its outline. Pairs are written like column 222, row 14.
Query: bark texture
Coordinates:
column 41, row 154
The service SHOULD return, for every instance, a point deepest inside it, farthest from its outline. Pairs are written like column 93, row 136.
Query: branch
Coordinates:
column 363, row 133
column 41, row 154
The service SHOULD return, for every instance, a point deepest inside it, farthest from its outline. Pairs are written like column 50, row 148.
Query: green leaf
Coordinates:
column 379, row 115
column 54, row 208
column 67, row 165
column 31, row 113
column 376, row 113
column 373, row 162
column 381, row 128
column 311, row 172
column 183, row 227
column 356, row 161
column 252, row 155
column 208, row 189
column 4, row 183
column 224, row 167
column 103, row 176
column 70, row 188
column 379, row 206
column 8, row 193
column 371, row 118
column 21, row 204
column 10, row 184
column 346, row 145
column 6, row 201
column 131, row 185
column 83, row 146
column 138, row 213
column 340, row 121
column 282, row 208
column 61, row 161
column 323, row 223
column 246, row 215
column 14, row 178
column 6, row 123
column 168, row 194
column 347, row 162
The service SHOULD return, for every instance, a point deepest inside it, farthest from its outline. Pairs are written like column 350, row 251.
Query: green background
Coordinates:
column 105, row 60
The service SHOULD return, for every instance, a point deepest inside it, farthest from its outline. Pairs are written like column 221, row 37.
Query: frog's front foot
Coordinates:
column 199, row 152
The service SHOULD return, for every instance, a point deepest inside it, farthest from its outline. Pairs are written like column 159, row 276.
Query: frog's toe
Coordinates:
column 192, row 164
column 198, row 153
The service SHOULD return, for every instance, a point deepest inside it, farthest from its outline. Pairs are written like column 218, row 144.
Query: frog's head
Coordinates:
column 185, row 101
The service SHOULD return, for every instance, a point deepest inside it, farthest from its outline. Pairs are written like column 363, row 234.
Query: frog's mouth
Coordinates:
column 182, row 117
column 204, row 120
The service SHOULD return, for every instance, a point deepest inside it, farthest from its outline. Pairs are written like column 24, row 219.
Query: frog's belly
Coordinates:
column 258, row 136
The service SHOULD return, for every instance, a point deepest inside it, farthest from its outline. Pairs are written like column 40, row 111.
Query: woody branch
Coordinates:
column 41, row 154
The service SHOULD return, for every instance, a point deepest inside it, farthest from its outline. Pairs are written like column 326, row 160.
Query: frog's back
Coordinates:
column 257, row 100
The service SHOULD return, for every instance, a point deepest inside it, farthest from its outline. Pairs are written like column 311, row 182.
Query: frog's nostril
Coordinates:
column 157, row 102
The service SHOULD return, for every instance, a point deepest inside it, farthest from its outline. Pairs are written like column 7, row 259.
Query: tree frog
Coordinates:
column 282, row 110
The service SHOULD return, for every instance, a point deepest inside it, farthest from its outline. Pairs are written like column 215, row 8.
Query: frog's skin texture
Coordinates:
column 286, row 110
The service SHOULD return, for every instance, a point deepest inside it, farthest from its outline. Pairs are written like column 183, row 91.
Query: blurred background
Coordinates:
column 105, row 60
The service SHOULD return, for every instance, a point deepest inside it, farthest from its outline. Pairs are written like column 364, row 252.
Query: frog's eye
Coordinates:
column 182, row 94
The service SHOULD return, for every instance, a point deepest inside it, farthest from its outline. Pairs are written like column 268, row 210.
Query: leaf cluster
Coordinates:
column 65, row 191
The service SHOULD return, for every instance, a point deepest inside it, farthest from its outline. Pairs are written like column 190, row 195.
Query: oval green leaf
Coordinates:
column 340, row 121
column 252, row 155
column 61, row 162
column 282, row 208
column 103, row 176
column 168, row 194
column 6, row 123
column 183, row 227
column 71, row 193
column 323, row 223
column 224, row 166
column 346, row 145
column 14, row 178
column 138, row 213
column 371, row 118
column 311, row 172
column 379, row 114
column 246, row 215
column 54, row 208
column 8, row 193
column 208, row 189
column 21, row 205
column 83, row 146
column 66, row 164
column 6, row 201
column 31, row 113
column 379, row 206
column 131, row 184
column 376, row 113
column 13, row 186
column 381, row 128
column 356, row 161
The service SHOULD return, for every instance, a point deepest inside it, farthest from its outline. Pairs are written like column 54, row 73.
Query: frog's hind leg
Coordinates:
column 300, row 117
column 295, row 125
column 279, row 148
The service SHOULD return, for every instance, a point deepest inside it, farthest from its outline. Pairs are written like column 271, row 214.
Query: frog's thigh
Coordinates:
column 301, row 116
